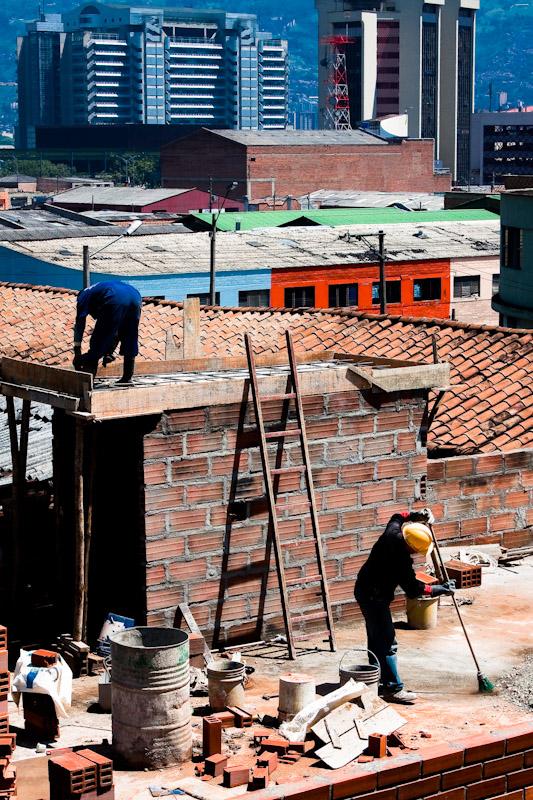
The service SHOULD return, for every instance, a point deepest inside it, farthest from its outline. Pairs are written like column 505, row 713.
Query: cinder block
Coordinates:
column 215, row 765
column 43, row 658
column 211, row 736
column 484, row 789
column 259, row 778
column 377, row 745
column 235, row 776
column 104, row 767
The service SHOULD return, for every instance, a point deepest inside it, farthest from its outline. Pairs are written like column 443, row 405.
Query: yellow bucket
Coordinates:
column 422, row 612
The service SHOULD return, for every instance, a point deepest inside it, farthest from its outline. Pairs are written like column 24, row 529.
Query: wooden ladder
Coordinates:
column 271, row 475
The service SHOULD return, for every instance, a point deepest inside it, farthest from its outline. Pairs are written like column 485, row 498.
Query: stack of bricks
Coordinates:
column 8, row 775
column 40, row 718
column 369, row 461
column 84, row 775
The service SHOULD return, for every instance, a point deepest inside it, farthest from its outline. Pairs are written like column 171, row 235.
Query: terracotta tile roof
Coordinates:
column 487, row 408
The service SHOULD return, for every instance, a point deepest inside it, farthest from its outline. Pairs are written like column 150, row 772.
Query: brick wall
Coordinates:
column 486, row 498
column 393, row 167
column 495, row 765
column 369, row 460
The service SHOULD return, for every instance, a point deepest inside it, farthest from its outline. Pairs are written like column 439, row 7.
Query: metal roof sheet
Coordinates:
column 39, row 465
column 412, row 201
column 251, row 220
column 116, row 195
column 271, row 248
column 290, row 138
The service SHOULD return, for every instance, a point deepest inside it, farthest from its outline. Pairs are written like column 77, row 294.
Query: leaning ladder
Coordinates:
column 269, row 474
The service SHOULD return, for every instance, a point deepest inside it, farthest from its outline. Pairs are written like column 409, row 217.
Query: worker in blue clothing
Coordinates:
column 116, row 307
column 388, row 566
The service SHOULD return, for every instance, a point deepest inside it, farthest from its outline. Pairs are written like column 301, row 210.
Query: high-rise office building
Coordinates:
column 408, row 56
column 111, row 64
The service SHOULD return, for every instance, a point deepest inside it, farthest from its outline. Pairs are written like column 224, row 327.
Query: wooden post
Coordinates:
column 16, row 504
column 192, row 346
column 88, row 526
column 79, row 532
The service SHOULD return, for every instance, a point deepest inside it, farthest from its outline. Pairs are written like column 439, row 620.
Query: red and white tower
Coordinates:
column 337, row 112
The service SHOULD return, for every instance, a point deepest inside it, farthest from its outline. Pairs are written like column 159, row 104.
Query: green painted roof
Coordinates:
column 250, row 220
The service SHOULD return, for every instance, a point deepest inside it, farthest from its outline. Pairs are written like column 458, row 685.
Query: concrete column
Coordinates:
column 369, row 71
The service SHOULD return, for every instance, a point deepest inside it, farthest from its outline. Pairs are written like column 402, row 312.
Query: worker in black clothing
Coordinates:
column 116, row 307
column 388, row 566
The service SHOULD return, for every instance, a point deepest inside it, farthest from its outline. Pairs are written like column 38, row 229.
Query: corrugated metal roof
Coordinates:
column 251, row 220
column 271, row 248
column 39, row 466
column 116, row 195
column 290, row 138
column 412, row 201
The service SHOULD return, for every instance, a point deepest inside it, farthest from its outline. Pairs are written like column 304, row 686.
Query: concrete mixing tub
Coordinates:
column 151, row 697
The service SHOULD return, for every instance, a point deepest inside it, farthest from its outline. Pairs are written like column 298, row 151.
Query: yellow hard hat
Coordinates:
column 418, row 537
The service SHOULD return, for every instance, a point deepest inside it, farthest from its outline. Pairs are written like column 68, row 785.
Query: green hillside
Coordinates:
column 505, row 42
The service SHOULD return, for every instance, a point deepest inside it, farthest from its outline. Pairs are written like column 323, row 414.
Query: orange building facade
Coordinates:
column 414, row 288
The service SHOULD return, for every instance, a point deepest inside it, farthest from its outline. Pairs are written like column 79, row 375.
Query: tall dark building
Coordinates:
column 413, row 57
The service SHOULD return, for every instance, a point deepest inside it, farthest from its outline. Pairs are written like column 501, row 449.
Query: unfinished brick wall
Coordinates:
column 369, row 460
column 494, row 765
column 486, row 498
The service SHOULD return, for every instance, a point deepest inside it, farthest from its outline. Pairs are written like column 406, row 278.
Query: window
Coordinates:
column 254, row 298
column 300, row 297
column 394, row 292
column 427, row 289
column 512, row 247
column 343, row 294
column 205, row 298
column 466, row 286
column 496, row 283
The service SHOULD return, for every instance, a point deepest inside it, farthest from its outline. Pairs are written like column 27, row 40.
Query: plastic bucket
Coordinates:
column 225, row 684
column 352, row 666
column 422, row 612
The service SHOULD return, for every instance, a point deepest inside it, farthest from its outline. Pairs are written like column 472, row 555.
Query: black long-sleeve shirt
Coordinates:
column 388, row 566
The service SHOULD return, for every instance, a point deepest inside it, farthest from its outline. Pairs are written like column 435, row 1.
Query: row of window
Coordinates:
column 340, row 295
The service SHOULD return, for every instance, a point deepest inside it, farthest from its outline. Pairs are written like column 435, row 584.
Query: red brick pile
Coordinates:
column 8, row 775
column 497, row 765
column 84, row 775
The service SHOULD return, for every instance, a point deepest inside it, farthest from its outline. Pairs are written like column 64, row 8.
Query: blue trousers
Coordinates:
column 382, row 642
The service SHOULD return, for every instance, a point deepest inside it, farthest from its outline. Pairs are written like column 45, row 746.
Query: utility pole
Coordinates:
column 86, row 267
column 210, row 195
column 212, row 261
column 213, row 246
column 382, row 281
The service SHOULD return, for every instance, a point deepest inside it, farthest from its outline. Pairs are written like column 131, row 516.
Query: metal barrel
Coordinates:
column 151, row 697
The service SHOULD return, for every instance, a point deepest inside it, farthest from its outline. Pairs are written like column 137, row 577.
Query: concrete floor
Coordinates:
column 436, row 664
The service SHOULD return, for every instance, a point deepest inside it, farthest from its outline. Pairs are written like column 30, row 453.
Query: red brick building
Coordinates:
column 280, row 163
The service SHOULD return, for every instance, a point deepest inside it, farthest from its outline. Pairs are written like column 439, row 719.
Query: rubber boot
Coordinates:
column 127, row 372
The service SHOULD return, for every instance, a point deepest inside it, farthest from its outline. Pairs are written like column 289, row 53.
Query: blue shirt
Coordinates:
column 93, row 300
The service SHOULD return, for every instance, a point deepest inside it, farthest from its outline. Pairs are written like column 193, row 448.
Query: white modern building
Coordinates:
column 408, row 56
column 102, row 64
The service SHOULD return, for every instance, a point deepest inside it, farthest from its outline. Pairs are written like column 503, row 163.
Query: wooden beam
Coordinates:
column 192, row 345
column 79, row 532
column 24, row 435
column 175, row 394
column 16, row 530
column 39, row 376
column 89, row 522
column 30, row 394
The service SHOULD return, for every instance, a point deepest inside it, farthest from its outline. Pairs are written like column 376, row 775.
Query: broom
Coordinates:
column 484, row 685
